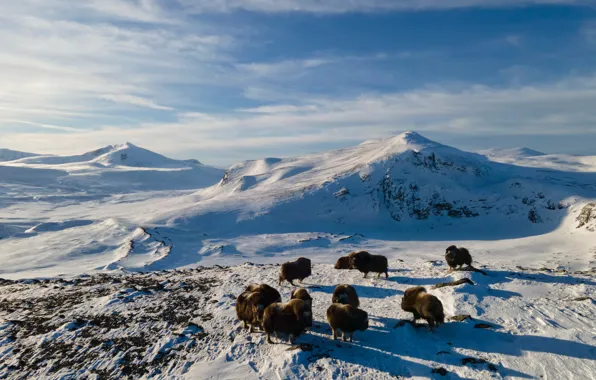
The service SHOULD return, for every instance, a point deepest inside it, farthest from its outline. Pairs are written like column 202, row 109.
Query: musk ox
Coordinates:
column 295, row 270
column 345, row 262
column 291, row 319
column 365, row 262
column 457, row 257
column 345, row 294
column 302, row 294
column 423, row 305
column 269, row 293
column 347, row 319
column 251, row 304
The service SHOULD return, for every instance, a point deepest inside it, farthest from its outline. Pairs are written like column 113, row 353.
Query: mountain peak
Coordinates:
column 409, row 140
column 413, row 138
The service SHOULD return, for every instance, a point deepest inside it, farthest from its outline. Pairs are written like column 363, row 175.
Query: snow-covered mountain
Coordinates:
column 123, row 206
column 401, row 184
column 112, row 155
column 118, row 168
column 11, row 155
column 510, row 153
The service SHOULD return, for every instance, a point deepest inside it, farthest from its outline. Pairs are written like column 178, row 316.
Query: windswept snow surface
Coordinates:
column 182, row 325
column 529, row 220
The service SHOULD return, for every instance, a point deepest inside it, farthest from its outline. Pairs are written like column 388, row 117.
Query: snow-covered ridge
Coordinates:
column 403, row 188
column 124, row 215
column 112, row 155
column 121, row 168
column 11, row 155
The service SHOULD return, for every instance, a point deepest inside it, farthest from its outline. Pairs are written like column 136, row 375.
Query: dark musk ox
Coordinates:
column 302, row 294
column 457, row 257
column 295, row 270
column 345, row 262
column 423, row 305
column 290, row 319
column 347, row 319
column 345, row 294
column 251, row 304
column 365, row 263
column 269, row 293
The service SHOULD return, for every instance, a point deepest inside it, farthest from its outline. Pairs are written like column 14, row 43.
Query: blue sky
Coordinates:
column 227, row 80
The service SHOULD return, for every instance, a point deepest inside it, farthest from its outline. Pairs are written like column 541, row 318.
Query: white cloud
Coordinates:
column 135, row 101
column 41, row 125
column 54, row 65
column 142, row 10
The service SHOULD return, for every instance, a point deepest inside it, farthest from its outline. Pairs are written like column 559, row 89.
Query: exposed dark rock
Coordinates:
column 587, row 217
column 441, row 371
column 534, row 217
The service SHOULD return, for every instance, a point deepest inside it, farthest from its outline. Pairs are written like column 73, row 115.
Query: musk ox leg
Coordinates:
column 269, row 339
column 291, row 283
column 291, row 338
column 365, row 274
column 352, row 336
column 251, row 329
column 379, row 275
column 386, row 274
column 244, row 325
column 334, row 333
column 343, row 336
column 431, row 324
column 416, row 317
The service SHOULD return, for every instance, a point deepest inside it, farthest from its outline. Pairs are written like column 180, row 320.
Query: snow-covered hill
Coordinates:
column 405, row 188
column 522, row 324
column 112, row 155
column 510, row 154
column 11, row 155
column 113, row 169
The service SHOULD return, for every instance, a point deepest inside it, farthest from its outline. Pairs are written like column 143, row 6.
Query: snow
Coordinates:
column 11, row 155
column 124, row 214
column 510, row 154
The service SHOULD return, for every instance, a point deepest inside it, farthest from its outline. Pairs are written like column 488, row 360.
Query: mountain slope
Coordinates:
column 405, row 188
column 113, row 155
column 510, row 154
column 400, row 183
column 11, row 155
column 115, row 168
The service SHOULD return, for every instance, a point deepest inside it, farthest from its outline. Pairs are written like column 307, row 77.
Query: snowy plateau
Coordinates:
column 123, row 263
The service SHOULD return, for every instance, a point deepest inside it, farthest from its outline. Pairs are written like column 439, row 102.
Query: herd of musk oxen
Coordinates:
column 260, row 304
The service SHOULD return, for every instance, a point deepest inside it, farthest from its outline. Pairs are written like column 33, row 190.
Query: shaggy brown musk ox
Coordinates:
column 291, row 319
column 345, row 294
column 295, row 270
column 423, row 305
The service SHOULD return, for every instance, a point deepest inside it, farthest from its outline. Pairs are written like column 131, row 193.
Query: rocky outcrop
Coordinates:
column 587, row 217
